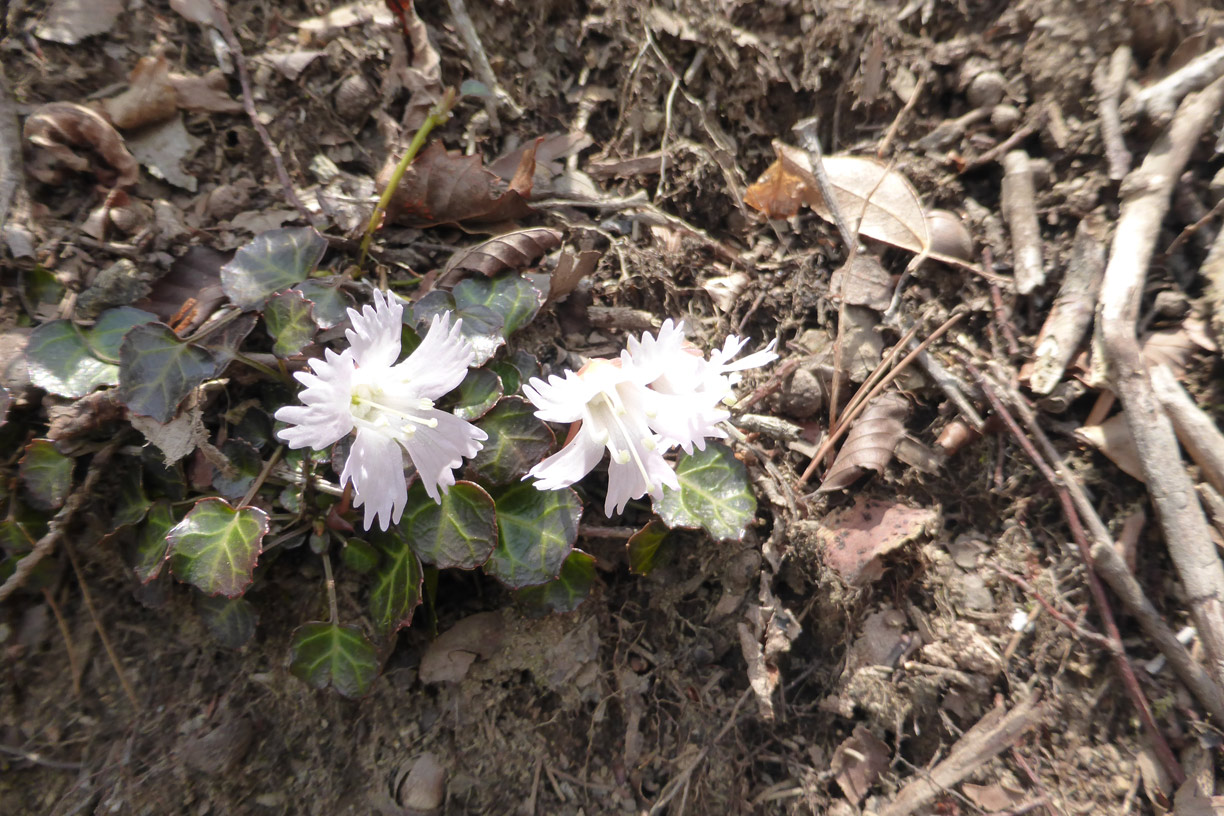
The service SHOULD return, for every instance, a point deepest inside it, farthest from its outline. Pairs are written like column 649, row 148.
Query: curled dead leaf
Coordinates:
column 1113, row 438
column 444, row 187
column 570, row 271
column 149, row 98
column 61, row 129
column 858, row 762
column 869, row 444
column 853, row 539
column 206, row 94
column 514, row 250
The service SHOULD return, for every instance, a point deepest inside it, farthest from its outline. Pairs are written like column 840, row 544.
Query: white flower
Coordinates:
column 690, row 391
column 390, row 406
column 610, row 400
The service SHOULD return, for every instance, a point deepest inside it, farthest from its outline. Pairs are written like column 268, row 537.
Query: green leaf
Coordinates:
column 517, row 440
column 131, row 503
column 644, row 547
column 277, row 259
column 152, row 547
column 47, row 474
column 224, row 343
column 515, row 370
column 536, row 530
column 324, row 654
column 481, row 325
column 509, row 295
column 290, row 323
column 215, row 546
column 60, row 362
column 17, row 537
column 460, row 532
column 157, row 370
column 246, row 466
column 230, row 620
column 714, row 494
column 568, row 590
column 107, row 333
column 360, row 556
column 478, row 392
column 331, row 303
column 42, row 287
column 397, row 585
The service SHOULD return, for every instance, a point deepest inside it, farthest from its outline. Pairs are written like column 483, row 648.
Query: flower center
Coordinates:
column 369, row 406
column 612, row 419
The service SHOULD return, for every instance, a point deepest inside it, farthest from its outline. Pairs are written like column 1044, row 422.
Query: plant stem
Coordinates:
column 333, row 611
column 263, row 475
column 437, row 116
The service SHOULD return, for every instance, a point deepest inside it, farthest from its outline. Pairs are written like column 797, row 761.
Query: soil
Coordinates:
column 648, row 698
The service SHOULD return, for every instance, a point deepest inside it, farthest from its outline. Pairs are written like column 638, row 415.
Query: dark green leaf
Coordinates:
column 515, row 370
column 536, row 530
column 568, row 590
column 481, row 325
column 460, row 532
column 60, row 362
column 107, row 333
column 331, row 303
column 152, row 547
column 360, row 556
column 215, row 546
column 157, row 370
column 644, row 547
column 509, row 295
column 517, row 440
column 16, row 537
column 290, row 323
column 230, row 620
column 478, row 392
column 397, row 585
column 246, row 464
column 132, row 503
column 42, row 287
column 224, row 342
column 714, row 494
column 324, row 654
column 46, row 474
column 277, row 259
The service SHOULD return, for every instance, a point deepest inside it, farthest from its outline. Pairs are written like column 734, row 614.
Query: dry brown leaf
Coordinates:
column 448, row 658
column 725, row 290
column 61, row 127
column 1113, row 438
column 862, row 281
column 70, row 21
column 862, row 347
column 570, row 271
column 992, row 798
column 208, row 93
column 869, row 444
column 854, row 538
column 858, row 762
column 422, row 76
column 441, row 187
column 778, row 192
column 1174, row 347
column 514, row 250
column 149, row 98
column 876, row 201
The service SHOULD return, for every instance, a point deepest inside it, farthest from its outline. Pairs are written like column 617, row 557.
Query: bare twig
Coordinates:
column 1144, row 205
column 222, row 21
column 991, row 736
column 680, row 781
column 97, row 622
column 1071, row 315
column 480, row 62
column 1129, row 681
column 1108, row 83
column 1021, row 133
column 900, row 117
column 55, row 530
column 1159, row 99
column 1196, row 431
column 10, row 150
column 1019, row 205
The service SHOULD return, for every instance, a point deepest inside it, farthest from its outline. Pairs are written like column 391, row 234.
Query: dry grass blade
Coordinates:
column 870, row 443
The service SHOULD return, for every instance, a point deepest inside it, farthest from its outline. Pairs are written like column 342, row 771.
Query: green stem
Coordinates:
column 263, row 369
column 437, row 116
column 263, row 475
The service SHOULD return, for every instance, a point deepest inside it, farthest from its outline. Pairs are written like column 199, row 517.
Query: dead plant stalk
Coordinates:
column 1147, row 192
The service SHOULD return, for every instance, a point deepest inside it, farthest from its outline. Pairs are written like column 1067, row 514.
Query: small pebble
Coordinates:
column 1004, row 117
column 986, row 89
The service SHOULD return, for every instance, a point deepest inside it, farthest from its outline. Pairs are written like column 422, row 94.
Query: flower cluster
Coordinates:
column 390, row 406
column 659, row 394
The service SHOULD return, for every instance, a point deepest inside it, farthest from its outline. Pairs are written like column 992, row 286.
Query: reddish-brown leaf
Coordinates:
column 870, row 443
column 514, row 250
column 854, row 538
column 778, row 192
column 149, row 98
column 444, row 187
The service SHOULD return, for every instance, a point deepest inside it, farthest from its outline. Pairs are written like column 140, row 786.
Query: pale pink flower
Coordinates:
column 390, row 406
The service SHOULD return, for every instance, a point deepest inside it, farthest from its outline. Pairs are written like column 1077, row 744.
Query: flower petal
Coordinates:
column 440, row 363
column 559, row 400
column 376, row 467
column 375, row 337
column 325, row 414
column 437, row 451
column 569, row 464
column 627, row 481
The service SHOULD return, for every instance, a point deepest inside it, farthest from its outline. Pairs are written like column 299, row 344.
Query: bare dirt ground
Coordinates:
column 924, row 640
